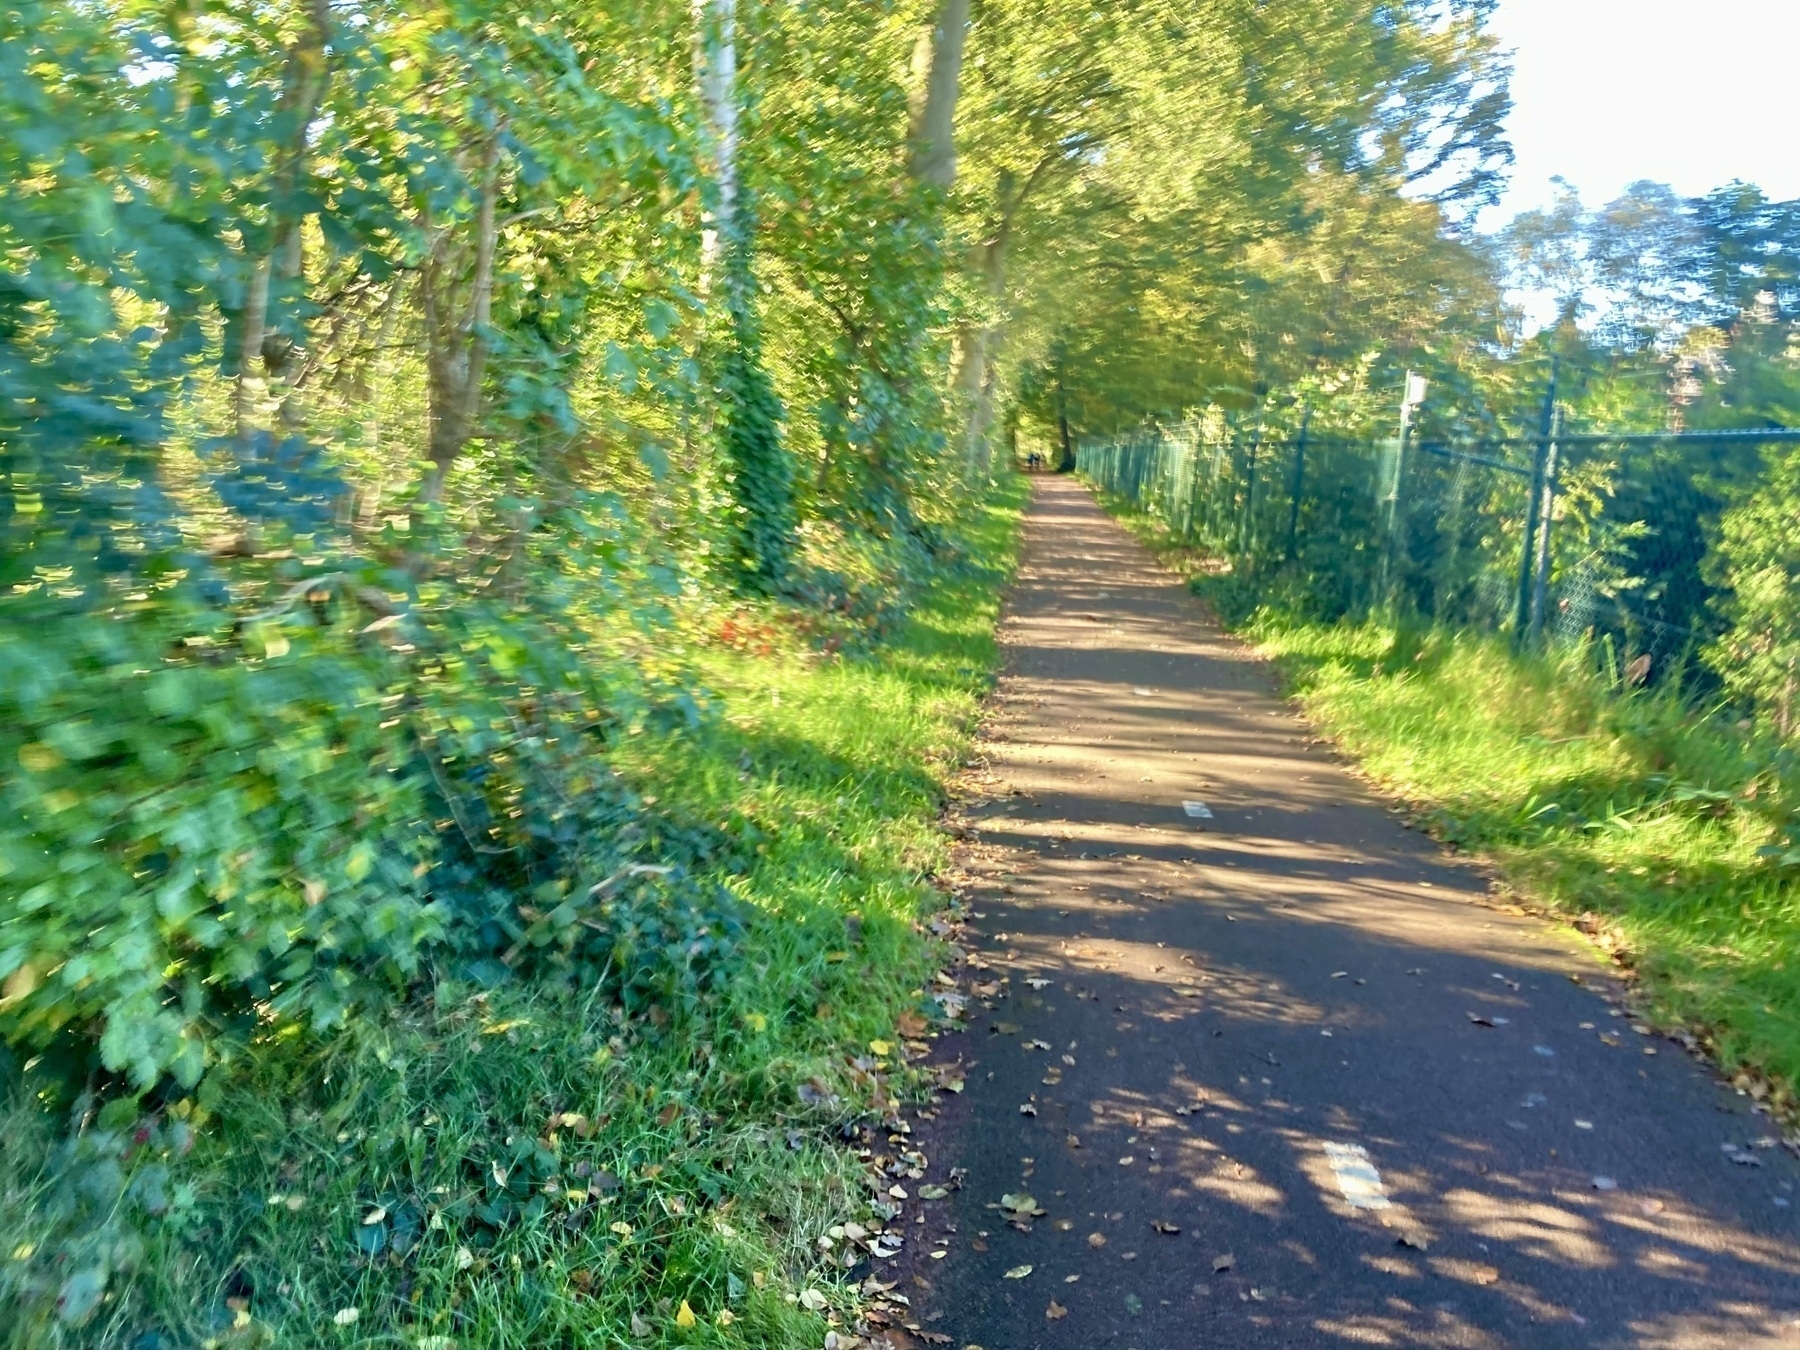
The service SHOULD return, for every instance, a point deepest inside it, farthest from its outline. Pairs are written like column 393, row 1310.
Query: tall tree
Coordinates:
column 758, row 471
column 933, row 129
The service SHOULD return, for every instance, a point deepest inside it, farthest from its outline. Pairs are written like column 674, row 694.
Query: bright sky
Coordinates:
column 1692, row 93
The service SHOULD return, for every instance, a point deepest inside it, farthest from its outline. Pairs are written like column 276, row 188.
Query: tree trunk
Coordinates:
column 759, row 472
column 715, row 76
column 979, row 350
column 264, row 352
column 456, row 327
column 933, row 130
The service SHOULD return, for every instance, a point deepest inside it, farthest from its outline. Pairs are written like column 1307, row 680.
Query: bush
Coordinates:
column 1758, row 658
column 222, row 820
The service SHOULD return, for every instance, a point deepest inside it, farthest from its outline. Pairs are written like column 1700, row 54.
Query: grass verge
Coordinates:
column 1647, row 818
column 529, row 1166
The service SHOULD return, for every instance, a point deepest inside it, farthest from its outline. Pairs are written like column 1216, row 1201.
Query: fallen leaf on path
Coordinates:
column 1096, row 1240
column 933, row 1192
column 1064, row 1225
column 1037, row 982
column 1605, row 1184
column 1055, row 1312
column 1417, row 1241
column 1020, row 1210
column 1223, row 1262
column 1019, row 1272
column 812, row 1300
column 1163, row 1226
column 1005, row 1028
column 1027, row 1109
column 1482, row 1020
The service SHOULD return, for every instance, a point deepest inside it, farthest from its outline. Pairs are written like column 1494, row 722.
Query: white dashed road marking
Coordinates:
column 1356, row 1176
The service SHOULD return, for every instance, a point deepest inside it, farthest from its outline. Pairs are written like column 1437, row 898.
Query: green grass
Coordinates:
column 529, row 1167
column 1639, row 811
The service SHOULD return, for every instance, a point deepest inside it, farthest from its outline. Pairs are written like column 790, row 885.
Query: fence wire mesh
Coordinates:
column 1563, row 536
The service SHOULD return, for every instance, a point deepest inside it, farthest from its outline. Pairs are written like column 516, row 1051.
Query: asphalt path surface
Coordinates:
column 1233, row 1060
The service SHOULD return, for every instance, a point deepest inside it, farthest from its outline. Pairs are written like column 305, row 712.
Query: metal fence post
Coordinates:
column 1391, row 517
column 1249, row 489
column 1540, row 590
column 1534, row 496
column 1293, row 529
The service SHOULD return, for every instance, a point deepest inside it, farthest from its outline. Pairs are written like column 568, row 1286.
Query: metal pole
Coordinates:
column 1293, row 530
column 1540, row 590
column 1533, row 500
column 1390, row 493
column 1250, row 488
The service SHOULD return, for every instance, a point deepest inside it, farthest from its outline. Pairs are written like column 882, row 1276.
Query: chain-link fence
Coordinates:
column 1556, row 536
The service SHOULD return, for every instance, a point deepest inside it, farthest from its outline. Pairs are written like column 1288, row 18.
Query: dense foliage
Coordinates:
column 384, row 382
column 419, row 420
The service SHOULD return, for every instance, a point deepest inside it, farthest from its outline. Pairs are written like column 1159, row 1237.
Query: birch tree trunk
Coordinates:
column 715, row 77
column 759, row 473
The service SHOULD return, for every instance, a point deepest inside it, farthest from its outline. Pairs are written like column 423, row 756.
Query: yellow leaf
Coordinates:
column 756, row 1022
column 39, row 758
column 882, row 1047
column 685, row 1317
column 18, row 984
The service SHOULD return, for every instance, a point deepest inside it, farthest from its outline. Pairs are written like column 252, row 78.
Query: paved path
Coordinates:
column 1258, row 1029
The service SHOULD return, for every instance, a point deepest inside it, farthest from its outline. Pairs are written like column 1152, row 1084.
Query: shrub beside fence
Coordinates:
column 1561, row 536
